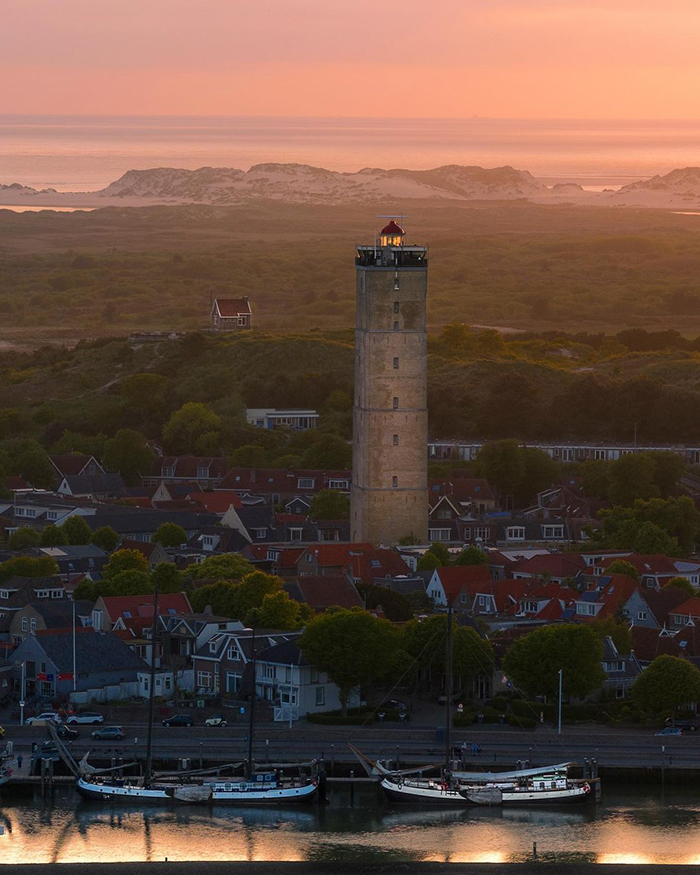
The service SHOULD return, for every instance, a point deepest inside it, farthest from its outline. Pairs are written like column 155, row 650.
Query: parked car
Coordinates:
column 394, row 705
column 690, row 723
column 86, row 717
column 217, row 720
column 113, row 733
column 66, row 732
column 670, row 730
column 178, row 720
column 44, row 717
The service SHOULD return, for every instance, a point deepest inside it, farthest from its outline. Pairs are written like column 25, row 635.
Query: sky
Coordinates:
column 338, row 58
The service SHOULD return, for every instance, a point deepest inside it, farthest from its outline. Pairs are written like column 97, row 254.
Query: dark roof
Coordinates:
column 325, row 590
column 71, row 464
column 58, row 614
column 145, row 521
column 286, row 653
column 95, row 651
column 87, row 484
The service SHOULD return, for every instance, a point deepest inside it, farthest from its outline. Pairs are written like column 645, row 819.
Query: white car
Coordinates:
column 45, row 717
column 86, row 717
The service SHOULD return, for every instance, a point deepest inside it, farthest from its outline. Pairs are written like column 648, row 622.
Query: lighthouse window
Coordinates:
column 396, row 402
column 396, row 282
column 396, row 363
column 396, row 306
column 396, row 440
column 394, row 481
column 396, row 326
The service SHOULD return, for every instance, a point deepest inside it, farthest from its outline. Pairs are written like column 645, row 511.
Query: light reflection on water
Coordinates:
column 637, row 826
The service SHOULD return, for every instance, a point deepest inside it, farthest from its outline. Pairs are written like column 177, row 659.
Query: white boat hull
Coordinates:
column 244, row 794
column 126, row 792
column 436, row 793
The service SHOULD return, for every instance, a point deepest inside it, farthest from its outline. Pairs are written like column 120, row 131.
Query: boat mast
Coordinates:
column 251, row 710
column 151, row 691
column 448, row 691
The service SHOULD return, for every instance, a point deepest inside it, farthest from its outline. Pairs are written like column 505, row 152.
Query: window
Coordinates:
column 269, row 671
column 396, row 403
column 52, row 515
column 586, row 609
column 25, row 624
column 615, row 665
column 168, row 471
column 305, row 483
column 556, row 532
column 338, row 484
column 231, row 653
column 259, row 533
column 295, row 534
column 396, row 328
column 642, row 615
column 515, row 533
column 599, row 454
column 396, row 363
column 212, row 646
column 314, row 676
column 438, row 535
column 482, row 601
column 320, row 696
column 396, row 440
column 202, row 472
column 208, row 542
column 396, row 306
column 394, row 481
column 481, row 534
column 204, row 679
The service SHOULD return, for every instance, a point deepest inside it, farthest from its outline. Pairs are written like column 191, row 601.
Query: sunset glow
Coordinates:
column 508, row 58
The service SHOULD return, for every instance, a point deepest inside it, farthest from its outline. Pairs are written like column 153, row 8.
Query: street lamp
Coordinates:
column 561, row 675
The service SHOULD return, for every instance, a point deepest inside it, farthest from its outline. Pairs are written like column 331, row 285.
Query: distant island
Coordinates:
column 303, row 184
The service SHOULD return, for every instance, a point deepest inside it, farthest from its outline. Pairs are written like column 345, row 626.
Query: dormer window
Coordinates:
column 305, row 483
column 168, row 471
column 202, row 473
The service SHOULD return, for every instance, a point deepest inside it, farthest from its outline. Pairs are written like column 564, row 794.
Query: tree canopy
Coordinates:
column 533, row 661
column 225, row 566
column 76, row 530
column 329, row 504
column 124, row 560
column 170, row 535
column 105, row 538
column 667, row 684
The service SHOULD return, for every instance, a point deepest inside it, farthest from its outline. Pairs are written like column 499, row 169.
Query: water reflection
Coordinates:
column 634, row 826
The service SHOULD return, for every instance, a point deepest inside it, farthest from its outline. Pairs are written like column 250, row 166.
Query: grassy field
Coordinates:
column 514, row 265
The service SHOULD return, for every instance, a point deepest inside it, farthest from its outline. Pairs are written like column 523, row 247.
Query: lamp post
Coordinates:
column 561, row 674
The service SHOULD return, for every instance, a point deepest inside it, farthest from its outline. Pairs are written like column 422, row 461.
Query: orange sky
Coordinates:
column 507, row 58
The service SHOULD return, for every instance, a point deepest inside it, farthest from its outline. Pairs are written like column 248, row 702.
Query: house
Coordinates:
column 648, row 643
column 662, row 602
column 272, row 418
column 217, row 539
column 6, row 671
column 654, row 570
column 614, row 595
column 110, row 610
column 503, row 562
column 368, row 565
column 52, row 615
column 101, row 660
column 152, row 551
column 284, row 677
column 557, row 567
column 446, row 584
column 98, row 487
column 39, row 508
column 76, row 465
column 621, row 670
column 322, row 559
column 548, row 601
column 76, row 559
column 685, row 614
column 282, row 485
column 205, row 471
column 222, row 665
column 464, row 493
column 231, row 314
column 16, row 592
column 324, row 591
column 182, row 636
column 139, row 524
column 565, row 500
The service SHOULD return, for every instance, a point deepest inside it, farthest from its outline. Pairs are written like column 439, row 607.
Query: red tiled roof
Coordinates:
column 142, row 605
column 216, row 502
column 650, row 643
column 13, row 483
column 144, row 547
column 187, row 466
column 612, row 594
column 331, row 555
column 70, row 464
column 662, row 602
column 552, row 591
column 233, row 306
column 460, row 489
column 377, row 563
column 458, row 577
column 690, row 607
column 551, row 611
column 553, row 564
column 653, row 563
column 279, row 479
column 324, row 591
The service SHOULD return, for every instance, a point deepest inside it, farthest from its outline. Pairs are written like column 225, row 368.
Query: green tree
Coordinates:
column 53, row 536
column 220, row 597
column 352, row 647
column 622, row 566
column 170, row 535
column 131, row 582
column 673, row 526
column 88, row 590
column 471, row 556
column 668, row 468
column 681, row 583
column 168, row 579
column 252, row 590
column 30, row 460
column 533, row 661
column 22, row 539
column 76, row 530
column 328, row 504
column 188, row 425
column 249, row 456
column 616, row 629
column 277, row 611
column 28, row 566
column 595, row 478
column 632, row 477
column 426, row 642
column 105, row 538
column 124, row 560
column 329, row 452
column 227, row 566
column 396, row 607
column 502, row 464
column 666, row 685
column 128, row 453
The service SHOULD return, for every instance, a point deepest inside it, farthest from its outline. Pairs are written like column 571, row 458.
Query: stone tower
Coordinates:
column 389, row 495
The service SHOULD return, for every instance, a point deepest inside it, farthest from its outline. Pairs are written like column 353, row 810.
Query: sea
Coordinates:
column 82, row 153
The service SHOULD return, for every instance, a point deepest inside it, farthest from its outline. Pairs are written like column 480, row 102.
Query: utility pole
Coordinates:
column 561, row 675
column 448, row 691
column 151, row 692
column 75, row 675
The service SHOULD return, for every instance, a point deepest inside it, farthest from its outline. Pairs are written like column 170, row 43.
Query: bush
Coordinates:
column 355, row 716
column 521, row 722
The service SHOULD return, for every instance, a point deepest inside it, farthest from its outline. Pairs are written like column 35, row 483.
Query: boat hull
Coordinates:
column 126, row 793
column 413, row 794
column 222, row 795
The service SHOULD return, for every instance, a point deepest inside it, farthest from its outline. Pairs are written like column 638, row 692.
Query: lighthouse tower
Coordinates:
column 389, row 495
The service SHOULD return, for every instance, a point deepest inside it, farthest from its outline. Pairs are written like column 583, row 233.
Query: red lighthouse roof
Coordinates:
column 392, row 230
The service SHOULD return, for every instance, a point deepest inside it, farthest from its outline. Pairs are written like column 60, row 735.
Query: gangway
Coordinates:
column 63, row 751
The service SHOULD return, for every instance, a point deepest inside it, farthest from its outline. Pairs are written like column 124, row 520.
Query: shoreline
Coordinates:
column 355, row 868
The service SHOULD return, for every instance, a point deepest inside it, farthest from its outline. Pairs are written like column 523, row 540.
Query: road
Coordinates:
column 500, row 745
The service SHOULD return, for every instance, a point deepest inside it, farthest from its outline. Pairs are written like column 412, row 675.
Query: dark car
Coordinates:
column 178, row 720
column 111, row 733
column 689, row 723
column 66, row 732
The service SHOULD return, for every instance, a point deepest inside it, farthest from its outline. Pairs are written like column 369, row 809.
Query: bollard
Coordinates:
column 352, row 787
column 534, row 851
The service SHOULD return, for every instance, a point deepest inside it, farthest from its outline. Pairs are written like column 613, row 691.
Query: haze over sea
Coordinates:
column 77, row 153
